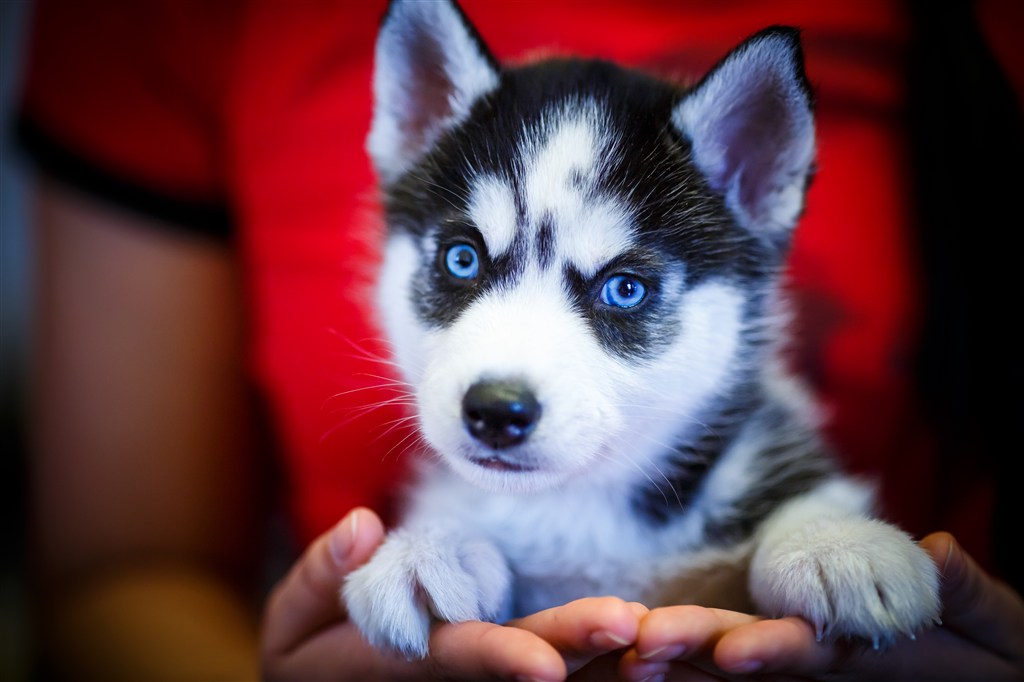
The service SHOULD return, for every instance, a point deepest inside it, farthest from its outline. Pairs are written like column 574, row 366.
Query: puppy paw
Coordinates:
column 850, row 577
column 415, row 577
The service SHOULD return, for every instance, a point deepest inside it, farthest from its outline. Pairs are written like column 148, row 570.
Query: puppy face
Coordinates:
column 565, row 285
column 554, row 297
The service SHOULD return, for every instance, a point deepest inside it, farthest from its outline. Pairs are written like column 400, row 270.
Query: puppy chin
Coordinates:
column 505, row 473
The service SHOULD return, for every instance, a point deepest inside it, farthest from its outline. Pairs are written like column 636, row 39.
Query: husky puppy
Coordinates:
column 581, row 284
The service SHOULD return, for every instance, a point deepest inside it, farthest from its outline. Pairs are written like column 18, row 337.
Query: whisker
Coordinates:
column 383, row 383
column 363, row 353
column 636, row 465
column 417, row 438
column 394, row 426
column 660, row 471
column 360, row 411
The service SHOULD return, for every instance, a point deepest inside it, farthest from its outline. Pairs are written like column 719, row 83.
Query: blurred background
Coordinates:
column 14, row 344
column 950, row 97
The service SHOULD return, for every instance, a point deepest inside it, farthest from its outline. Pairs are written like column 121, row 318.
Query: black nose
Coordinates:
column 500, row 414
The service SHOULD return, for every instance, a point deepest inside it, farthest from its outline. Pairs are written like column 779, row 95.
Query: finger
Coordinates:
column 477, row 650
column 976, row 605
column 601, row 669
column 973, row 601
column 789, row 644
column 631, row 667
column 472, row 651
column 307, row 598
column 679, row 631
column 587, row 628
column 676, row 633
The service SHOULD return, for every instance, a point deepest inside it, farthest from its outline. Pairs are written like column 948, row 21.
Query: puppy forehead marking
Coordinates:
column 564, row 215
column 564, row 165
column 596, row 234
column 558, row 168
column 492, row 208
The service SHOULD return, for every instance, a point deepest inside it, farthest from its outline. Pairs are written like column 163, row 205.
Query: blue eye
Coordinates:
column 462, row 262
column 623, row 291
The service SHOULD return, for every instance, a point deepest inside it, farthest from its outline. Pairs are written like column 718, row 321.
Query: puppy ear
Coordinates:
column 752, row 131
column 430, row 68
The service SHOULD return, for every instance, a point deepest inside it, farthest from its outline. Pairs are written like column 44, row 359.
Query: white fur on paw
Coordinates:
column 415, row 577
column 850, row 577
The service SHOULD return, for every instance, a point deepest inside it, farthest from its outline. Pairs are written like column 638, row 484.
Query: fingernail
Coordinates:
column 649, row 671
column 343, row 538
column 751, row 666
column 647, row 655
column 604, row 639
column 665, row 653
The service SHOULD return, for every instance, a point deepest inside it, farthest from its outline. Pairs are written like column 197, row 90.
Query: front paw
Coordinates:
column 415, row 577
column 850, row 577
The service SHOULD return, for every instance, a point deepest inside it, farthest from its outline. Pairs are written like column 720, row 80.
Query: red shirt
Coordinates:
column 249, row 118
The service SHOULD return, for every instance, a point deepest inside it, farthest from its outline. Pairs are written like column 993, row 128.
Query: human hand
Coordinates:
column 306, row 634
column 981, row 638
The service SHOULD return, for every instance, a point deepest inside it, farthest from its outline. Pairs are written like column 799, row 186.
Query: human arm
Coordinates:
column 142, row 473
column 981, row 637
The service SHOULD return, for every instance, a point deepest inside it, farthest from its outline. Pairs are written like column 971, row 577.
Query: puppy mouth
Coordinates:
column 499, row 463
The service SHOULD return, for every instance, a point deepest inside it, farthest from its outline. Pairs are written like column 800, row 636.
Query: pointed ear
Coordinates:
column 752, row 131
column 430, row 68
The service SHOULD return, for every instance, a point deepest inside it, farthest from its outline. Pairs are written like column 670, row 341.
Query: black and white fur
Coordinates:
column 657, row 451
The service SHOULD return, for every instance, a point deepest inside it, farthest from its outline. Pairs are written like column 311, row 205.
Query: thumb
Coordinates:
column 976, row 605
column 308, row 597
